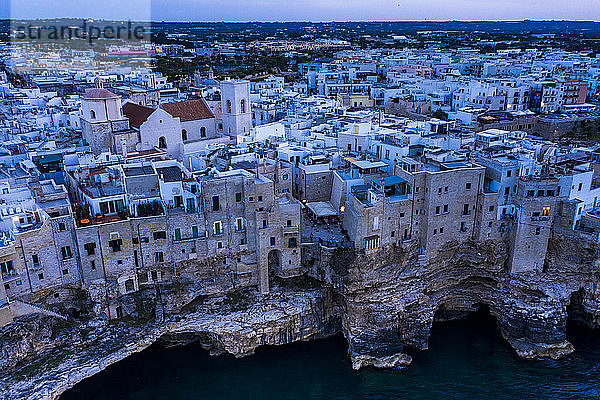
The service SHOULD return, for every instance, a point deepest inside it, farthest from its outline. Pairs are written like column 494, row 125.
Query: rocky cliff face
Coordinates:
column 391, row 300
column 237, row 324
column 382, row 303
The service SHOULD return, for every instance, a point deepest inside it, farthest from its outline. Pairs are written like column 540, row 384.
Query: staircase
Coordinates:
column 20, row 308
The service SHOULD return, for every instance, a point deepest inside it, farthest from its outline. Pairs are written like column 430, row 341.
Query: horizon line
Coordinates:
column 318, row 21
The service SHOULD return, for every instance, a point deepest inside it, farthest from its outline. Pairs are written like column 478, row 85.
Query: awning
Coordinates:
column 322, row 209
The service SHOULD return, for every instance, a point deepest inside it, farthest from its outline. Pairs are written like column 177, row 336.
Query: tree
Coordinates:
column 440, row 114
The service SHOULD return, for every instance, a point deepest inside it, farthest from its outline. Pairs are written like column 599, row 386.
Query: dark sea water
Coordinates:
column 466, row 360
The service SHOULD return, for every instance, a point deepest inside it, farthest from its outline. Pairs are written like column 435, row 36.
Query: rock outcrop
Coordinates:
column 282, row 317
column 391, row 299
column 382, row 303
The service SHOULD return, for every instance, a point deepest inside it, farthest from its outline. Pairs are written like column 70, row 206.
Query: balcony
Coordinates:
column 289, row 230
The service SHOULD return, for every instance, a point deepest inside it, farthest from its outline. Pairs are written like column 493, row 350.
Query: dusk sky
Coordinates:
column 304, row 10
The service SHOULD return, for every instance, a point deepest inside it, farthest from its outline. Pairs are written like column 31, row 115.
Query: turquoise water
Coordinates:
column 467, row 360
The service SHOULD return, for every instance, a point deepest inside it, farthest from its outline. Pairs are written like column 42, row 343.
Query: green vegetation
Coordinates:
column 440, row 114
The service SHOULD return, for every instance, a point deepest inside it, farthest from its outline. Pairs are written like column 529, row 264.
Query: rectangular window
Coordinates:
column 372, row 243
column 7, row 268
column 104, row 208
column 160, row 235
column 217, row 228
column 272, row 241
column 195, row 231
column 491, row 208
column 437, row 210
column 530, row 193
column 115, row 245
column 445, row 208
column 215, row 203
column 466, row 209
column 468, row 186
column 264, row 223
column 292, row 242
column 191, row 204
column 545, row 211
column 61, row 226
column 66, row 252
column 538, row 230
column 36, row 260
column 159, row 257
column 238, row 197
column 240, row 224
column 177, row 234
column 90, row 248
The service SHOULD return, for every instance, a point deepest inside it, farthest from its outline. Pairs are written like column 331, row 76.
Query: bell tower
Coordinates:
column 235, row 106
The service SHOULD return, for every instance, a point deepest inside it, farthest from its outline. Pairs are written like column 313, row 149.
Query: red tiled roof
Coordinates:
column 136, row 114
column 189, row 110
column 99, row 93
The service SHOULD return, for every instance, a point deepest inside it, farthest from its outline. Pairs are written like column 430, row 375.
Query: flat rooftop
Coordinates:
column 138, row 170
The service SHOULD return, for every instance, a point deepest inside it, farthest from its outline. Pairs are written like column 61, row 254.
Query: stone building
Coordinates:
column 445, row 202
column 535, row 203
column 102, row 119
column 234, row 216
column 171, row 126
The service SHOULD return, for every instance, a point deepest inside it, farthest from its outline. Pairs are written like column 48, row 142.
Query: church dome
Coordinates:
column 99, row 93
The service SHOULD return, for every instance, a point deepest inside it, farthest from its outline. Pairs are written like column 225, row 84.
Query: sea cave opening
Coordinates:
column 581, row 324
column 460, row 326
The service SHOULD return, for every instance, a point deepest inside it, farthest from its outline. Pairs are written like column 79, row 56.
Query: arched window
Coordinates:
column 184, row 135
column 243, row 106
column 162, row 142
column 228, row 106
column 92, row 114
column 203, row 132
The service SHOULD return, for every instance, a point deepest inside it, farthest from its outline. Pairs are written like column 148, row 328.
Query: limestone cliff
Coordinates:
column 381, row 302
column 391, row 299
column 236, row 324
